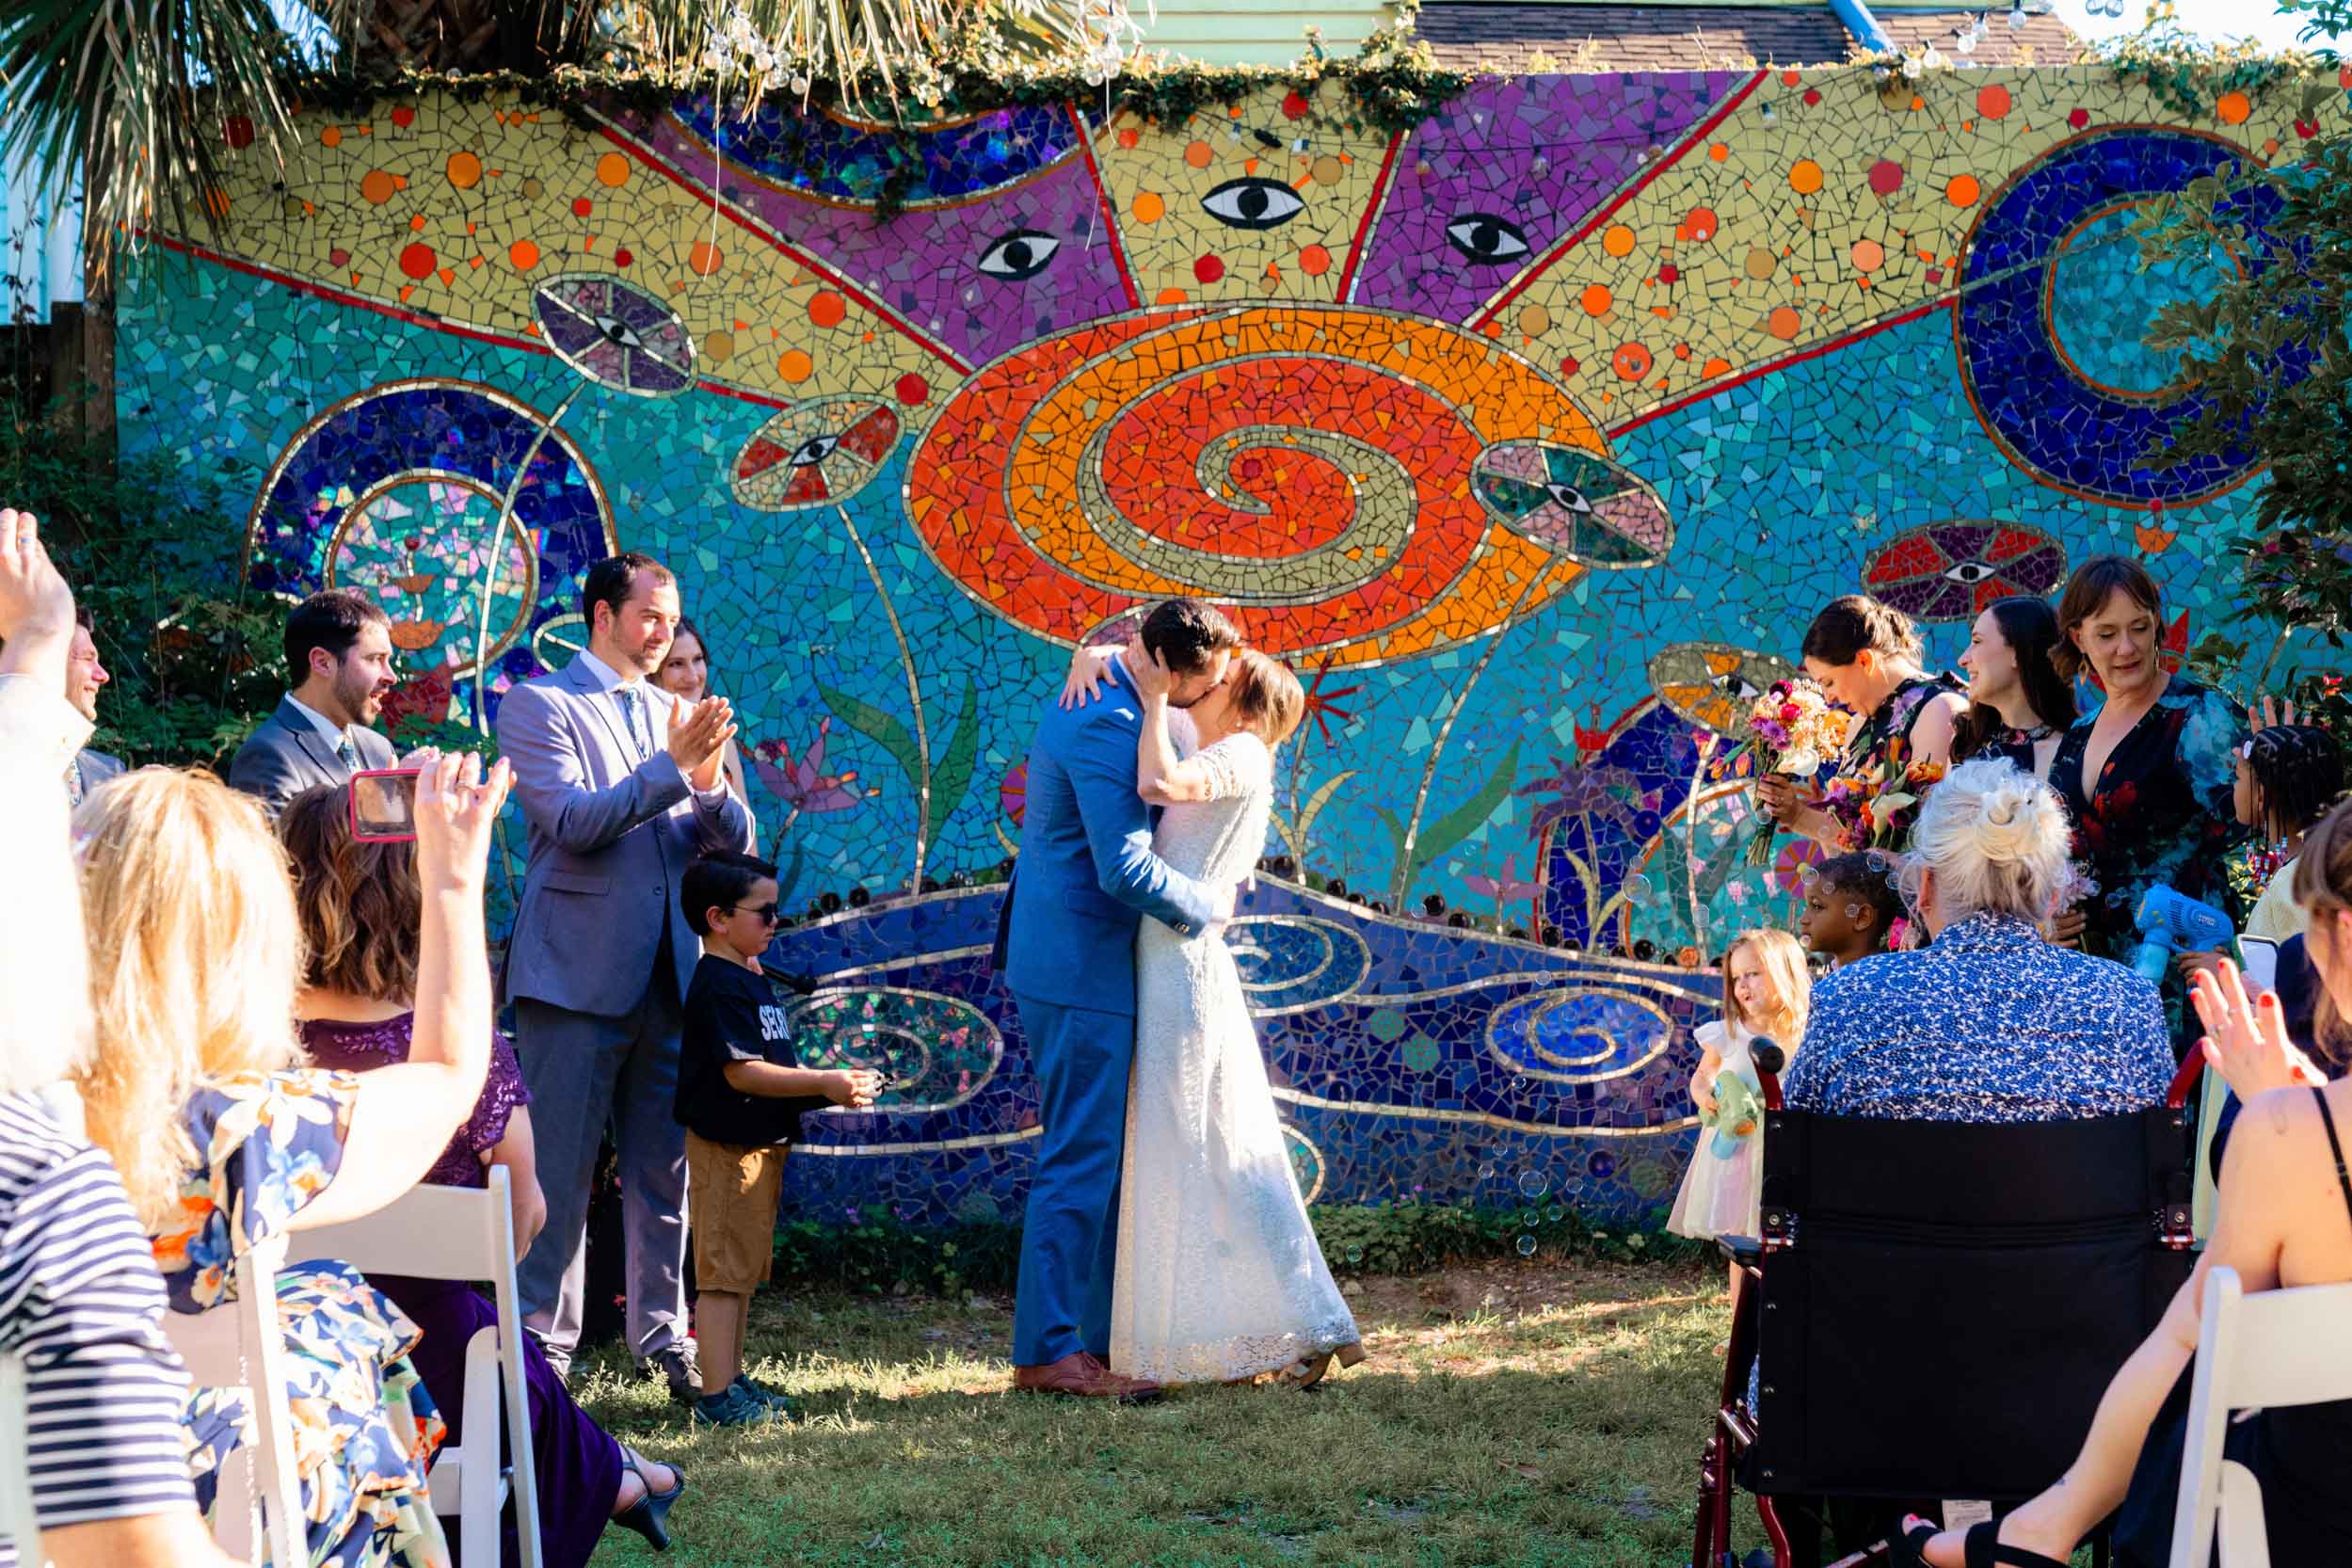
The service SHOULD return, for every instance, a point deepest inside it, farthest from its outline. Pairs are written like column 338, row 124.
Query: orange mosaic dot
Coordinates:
column 1718, row 151
column 331, row 136
column 1992, row 100
column 1701, row 225
column 704, row 258
column 612, row 170
column 1962, row 191
column 1617, row 240
column 795, row 366
column 1596, row 300
column 1631, row 360
column 1804, row 177
column 1148, row 207
column 1198, row 155
column 464, row 170
column 523, row 254
column 1869, row 255
column 1128, row 138
column 379, row 186
column 827, row 308
column 1783, row 323
column 2234, row 107
column 1314, row 260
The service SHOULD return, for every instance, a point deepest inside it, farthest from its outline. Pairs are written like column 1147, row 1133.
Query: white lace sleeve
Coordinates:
column 1236, row 765
column 1181, row 734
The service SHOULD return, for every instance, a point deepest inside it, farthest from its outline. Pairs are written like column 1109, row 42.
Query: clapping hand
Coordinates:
column 698, row 735
column 36, row 606
column 2246, row 1039
column 455, row 810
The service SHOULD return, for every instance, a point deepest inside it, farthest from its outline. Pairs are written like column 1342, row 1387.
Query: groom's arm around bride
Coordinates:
column 1085, row 877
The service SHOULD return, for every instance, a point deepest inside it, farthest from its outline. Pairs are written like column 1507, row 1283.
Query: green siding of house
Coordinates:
column 1239, row 32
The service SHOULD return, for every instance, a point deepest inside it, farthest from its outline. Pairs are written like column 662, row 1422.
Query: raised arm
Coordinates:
column 1118, row 837
column 554, row 788
column 1162, row 776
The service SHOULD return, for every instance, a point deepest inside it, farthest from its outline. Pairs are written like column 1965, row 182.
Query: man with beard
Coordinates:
column 339, row 651
column 619, row 783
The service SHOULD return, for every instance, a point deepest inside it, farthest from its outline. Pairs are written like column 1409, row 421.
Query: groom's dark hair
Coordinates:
column 1185, row 632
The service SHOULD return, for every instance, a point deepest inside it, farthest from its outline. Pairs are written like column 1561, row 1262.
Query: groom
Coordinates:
column 1085, row 877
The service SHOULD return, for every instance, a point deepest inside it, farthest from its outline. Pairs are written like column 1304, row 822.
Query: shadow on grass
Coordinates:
column 1536, row 1417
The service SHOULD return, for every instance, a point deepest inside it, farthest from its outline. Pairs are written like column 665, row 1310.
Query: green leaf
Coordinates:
column 1315, row 802
column 1441, row 836
column 952, row 777
column 884, row 729
column 1395, row 825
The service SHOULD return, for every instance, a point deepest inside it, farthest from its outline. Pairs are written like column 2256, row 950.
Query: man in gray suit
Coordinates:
column 339, row 653
column 619, row 784
column 84, row 675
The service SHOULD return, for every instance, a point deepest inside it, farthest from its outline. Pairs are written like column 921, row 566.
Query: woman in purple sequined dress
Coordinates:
column 360, row 909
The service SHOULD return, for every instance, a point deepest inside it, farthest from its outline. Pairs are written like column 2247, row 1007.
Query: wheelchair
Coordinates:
column 1934, row 1308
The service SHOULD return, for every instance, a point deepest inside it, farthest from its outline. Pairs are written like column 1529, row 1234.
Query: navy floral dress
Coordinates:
column 364, row 1429
column 2160, row 815
column 1879, row 745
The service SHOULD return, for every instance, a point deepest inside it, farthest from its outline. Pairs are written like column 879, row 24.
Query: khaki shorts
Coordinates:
column 732, row 1197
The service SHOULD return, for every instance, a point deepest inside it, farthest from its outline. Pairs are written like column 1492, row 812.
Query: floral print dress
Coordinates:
column 2160, row 814
column 364, row 1431
column 1877, row 760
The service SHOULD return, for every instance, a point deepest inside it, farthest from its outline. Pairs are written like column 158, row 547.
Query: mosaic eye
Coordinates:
column 1253, row 203
column 1487, row 239
column 816, row 449
column 1968, row 571
column 1022, row 254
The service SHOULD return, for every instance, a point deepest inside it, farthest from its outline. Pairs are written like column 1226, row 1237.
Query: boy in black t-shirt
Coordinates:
column 740, row 1097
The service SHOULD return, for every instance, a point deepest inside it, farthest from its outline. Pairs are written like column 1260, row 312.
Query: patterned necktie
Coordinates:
column 632, row 710
column 345, row 752
column 74, row 783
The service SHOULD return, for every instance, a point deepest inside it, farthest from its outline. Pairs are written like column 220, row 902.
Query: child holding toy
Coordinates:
column 1764, row 993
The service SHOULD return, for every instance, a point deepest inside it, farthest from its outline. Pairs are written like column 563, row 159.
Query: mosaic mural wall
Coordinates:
column 1531, row 438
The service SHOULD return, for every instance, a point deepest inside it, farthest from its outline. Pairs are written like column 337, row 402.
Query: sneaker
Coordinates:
column 783, row 1404
column 677, row 1366
column 731, row 1406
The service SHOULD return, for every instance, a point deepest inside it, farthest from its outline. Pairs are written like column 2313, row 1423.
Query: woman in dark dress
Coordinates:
column 359, row 905
column 2019, row 705
column 1865, row 655
column 2148, row 775
column 2285, row 1221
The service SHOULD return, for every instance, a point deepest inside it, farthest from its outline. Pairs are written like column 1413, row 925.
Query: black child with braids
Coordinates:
column 2288, row 776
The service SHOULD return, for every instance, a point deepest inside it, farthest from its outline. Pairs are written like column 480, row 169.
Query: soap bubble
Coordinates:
column 1639, row 892
column 1355, row 1254
column 1486, row 1172
column 1526, row 1246
column 1534, row 1183
column 1555, row 1214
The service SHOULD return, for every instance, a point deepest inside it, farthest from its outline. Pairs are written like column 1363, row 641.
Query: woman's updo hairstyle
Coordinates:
column 1847, row 626
column 1996, row 839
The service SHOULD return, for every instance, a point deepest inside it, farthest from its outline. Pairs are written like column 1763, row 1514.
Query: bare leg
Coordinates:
column 720, row 1316
column 632, row 1490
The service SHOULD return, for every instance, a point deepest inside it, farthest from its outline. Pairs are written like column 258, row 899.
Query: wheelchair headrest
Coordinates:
column 1968, row 1174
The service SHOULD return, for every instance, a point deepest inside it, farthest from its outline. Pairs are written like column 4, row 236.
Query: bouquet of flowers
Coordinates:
column 2077, row 887
column 1793, row 730
column 1876, row 810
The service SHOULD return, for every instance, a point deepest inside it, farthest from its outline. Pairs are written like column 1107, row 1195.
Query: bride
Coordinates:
column 1219, row 1276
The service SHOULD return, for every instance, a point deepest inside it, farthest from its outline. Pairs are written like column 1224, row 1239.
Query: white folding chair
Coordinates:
column 17, row 1520
column 461, row 1233
column 2270, row 1349
column 240, row 1345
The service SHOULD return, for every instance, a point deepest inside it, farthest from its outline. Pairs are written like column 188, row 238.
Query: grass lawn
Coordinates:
column 1533, row 1414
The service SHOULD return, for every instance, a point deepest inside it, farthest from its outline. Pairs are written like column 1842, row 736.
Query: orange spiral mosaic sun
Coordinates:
column 1316, row 460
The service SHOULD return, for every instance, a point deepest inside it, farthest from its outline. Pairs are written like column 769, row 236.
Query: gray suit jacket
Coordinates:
column 287, row 755
column 610, row 841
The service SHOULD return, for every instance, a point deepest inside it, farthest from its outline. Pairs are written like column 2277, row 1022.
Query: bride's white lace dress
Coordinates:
column 1219, row 1275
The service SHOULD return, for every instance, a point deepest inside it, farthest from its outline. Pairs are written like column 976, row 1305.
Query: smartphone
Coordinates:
column 384, row 806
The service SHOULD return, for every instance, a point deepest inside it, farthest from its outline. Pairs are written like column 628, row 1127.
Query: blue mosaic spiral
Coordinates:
column 1579, row 1036
column 2044, row 411
column 1289, row 963
column 423, row 430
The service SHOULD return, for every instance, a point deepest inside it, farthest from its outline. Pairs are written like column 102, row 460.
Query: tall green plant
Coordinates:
column 153, row 555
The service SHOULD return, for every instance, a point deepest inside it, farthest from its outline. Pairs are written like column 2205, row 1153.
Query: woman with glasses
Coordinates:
column 360, row 906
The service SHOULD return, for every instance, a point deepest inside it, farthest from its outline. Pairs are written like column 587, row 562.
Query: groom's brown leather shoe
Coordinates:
column 1083, row 1376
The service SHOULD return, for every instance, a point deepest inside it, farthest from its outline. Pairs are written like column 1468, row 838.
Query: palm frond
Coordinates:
column 136, row 98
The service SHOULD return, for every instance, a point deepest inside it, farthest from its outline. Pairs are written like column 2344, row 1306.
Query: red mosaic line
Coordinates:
column 1658, row 167
column 768, row 236
column 1371, row 216
column 1771, row 367
column 1109, row 219
column 414, row 318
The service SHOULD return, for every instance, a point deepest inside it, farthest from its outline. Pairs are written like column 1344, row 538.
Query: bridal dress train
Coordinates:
column 1219, row 1276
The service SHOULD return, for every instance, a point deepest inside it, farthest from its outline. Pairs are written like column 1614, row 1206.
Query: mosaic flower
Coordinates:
column 803, row 785
column 1948, row 571
column 1578, row 502
column 618, row 336
column 814, row 454
column 1597, row 795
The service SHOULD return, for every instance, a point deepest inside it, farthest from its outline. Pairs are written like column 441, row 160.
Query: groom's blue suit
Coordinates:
column 1066, row 944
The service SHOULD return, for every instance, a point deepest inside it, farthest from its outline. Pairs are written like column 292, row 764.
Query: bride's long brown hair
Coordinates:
column 1266, row 697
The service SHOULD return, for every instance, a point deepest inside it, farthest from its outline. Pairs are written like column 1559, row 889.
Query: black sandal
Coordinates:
column 1908, row 1547
column 1982, row 1548
column 645, row 1516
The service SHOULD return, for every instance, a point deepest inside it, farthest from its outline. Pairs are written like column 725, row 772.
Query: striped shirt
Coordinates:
column 81, row 1303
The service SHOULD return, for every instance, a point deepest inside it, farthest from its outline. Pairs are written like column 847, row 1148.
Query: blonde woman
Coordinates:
column 85, row 1306
column 223, row 1138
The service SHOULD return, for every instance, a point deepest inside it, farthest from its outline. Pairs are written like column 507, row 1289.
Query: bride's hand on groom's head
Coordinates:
column 1153, row 679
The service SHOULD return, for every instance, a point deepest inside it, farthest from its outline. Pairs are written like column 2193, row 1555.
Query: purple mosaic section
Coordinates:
column 1540, row 154
column 926, row 264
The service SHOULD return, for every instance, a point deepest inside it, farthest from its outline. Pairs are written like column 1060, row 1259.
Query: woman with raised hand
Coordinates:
column 197, row 1088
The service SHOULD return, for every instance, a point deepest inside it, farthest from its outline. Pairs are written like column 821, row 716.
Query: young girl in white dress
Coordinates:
column 1766, row 989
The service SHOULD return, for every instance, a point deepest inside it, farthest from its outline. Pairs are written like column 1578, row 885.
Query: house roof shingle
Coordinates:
column 1506, row 35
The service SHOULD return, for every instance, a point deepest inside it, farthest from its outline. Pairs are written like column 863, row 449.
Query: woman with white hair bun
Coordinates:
column 1989, row 1022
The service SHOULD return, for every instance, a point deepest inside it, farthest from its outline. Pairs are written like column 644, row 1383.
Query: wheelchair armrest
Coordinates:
column 1745, row 1252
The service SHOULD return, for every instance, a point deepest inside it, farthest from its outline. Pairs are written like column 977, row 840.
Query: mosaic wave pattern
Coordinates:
column 1531, row 436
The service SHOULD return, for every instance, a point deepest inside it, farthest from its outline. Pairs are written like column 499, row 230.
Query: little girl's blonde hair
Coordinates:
column 1783, row 964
